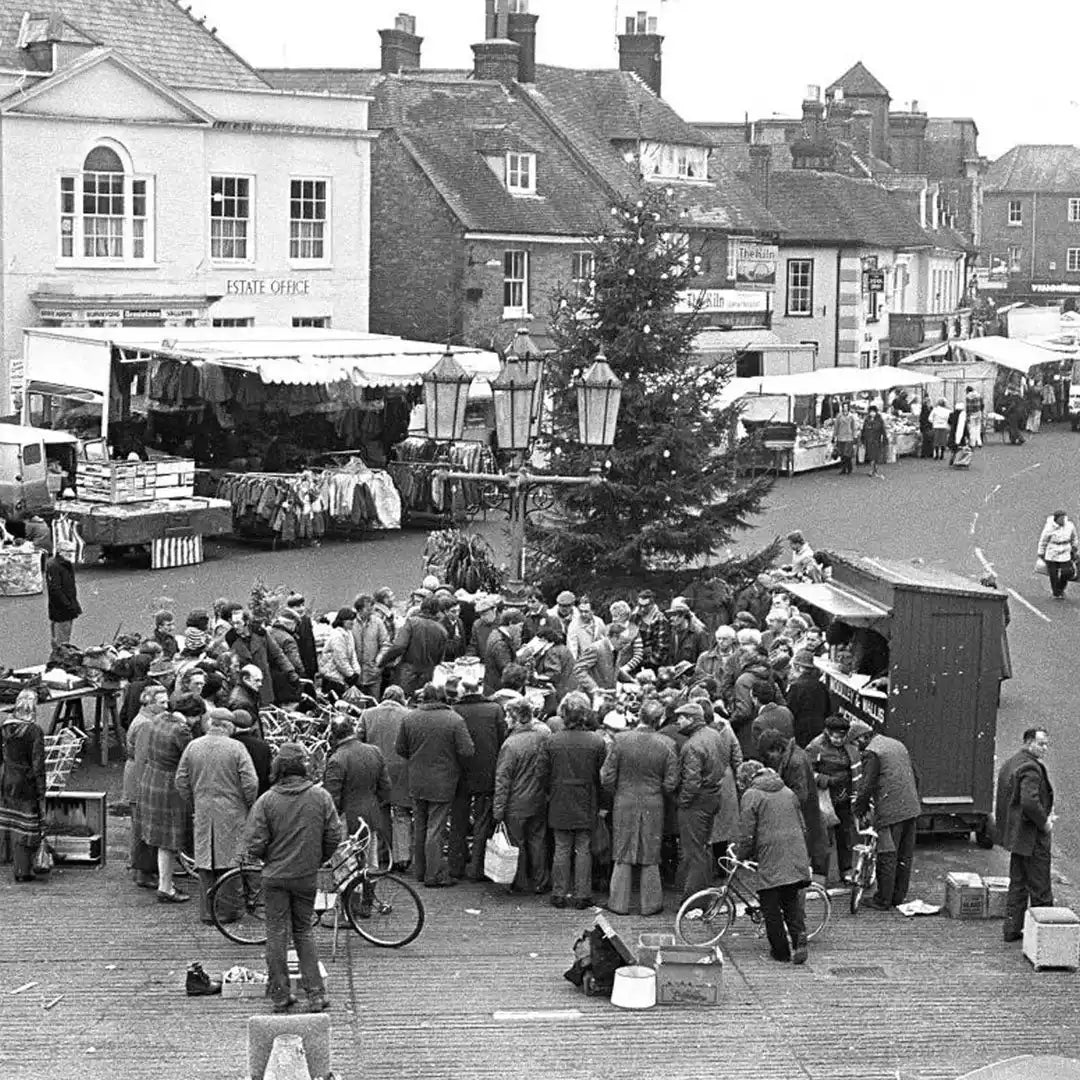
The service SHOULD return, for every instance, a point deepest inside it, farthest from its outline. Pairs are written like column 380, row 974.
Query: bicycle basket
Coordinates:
column 345, row 864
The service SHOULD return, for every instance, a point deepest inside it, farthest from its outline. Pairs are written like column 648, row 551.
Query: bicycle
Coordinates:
column 864, row 866
column 381, row 908
column 708, row 914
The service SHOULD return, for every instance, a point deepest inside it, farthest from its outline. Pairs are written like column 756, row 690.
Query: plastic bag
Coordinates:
column 1040, row 566
column 43, row 859
column 829, row 816
column 500, row 858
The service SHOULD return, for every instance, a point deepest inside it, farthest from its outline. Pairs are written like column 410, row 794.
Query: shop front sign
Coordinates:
column 852, row 705
column 268, row 287
column 712, row 301
column 1055, row 287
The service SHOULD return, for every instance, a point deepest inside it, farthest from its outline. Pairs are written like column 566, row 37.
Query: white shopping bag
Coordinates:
column 500, row 858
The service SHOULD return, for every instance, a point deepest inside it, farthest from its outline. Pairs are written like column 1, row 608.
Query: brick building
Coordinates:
column 489, row 181
column 148, row 176
column 1031, row 226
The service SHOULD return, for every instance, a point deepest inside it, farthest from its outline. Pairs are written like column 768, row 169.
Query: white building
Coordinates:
column 148, row 176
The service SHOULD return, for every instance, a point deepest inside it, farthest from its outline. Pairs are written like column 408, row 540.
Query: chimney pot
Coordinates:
column 640, row 53
column 400, row 46
column 496, row 60
column 521, row 27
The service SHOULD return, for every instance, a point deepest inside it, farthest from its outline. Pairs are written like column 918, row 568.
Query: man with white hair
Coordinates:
column 245, row 695
column 63, row 595
column 711, row 662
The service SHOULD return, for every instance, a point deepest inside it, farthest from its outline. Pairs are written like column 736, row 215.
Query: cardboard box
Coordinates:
column 965, row 896
column 650, row 944
column 997, row 889
column 686, row 975
column 243, row 989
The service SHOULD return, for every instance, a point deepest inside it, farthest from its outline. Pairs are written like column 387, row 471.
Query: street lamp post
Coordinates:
column 518, row 396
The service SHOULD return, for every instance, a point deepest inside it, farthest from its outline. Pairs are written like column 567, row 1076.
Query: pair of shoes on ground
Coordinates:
column 316, row 1003
column 579, row 904
column 174, row 897
column 199, row 984
column 877, row 904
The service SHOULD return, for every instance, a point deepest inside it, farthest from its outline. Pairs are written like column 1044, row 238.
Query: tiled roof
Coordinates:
column 829, row 208
column 858, row 82
column 1036, row 168
column 446, row 126
column 154, row 34
column 322, row 80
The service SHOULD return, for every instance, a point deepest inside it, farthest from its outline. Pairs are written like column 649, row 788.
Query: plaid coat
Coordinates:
column 164, row 818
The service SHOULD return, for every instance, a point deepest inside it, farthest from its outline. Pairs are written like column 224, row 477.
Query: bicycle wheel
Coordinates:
column 818, row 908
column 705, row 917
column 237, row 906
column 862, row 877
column 384, row 910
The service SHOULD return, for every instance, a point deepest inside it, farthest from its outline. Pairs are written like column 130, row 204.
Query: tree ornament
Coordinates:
column 646, row 329
column 667, row 453
column 630, row 272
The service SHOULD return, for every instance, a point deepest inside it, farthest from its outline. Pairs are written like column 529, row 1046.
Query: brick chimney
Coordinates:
column 838, row 116
column 400, row 46
column 862, row 123
column 813, row 115
column 521, row 27
column 496, row 60
column 640, row 50
column 907, row 140
column 760, row 172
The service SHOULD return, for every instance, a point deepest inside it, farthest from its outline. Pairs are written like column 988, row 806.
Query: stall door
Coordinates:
column 948, row 755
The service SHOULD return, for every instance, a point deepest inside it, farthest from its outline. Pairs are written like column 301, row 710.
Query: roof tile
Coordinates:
column 858, row 82
column 1036, row 168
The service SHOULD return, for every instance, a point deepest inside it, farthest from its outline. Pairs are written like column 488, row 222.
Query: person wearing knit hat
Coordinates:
column 294, row 828
column 743, row 619
column 837, row 768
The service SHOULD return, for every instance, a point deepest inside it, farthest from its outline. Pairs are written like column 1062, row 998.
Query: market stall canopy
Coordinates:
column 713, row 340
column 1010, row 353
column 844, row 604
column 824, row 381
column 292, row 356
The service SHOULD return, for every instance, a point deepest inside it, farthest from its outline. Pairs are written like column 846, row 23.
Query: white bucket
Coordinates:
column 635, row 988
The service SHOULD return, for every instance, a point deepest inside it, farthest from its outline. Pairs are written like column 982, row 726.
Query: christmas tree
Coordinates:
column 672, row 495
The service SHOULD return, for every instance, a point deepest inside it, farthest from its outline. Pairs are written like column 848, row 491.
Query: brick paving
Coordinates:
column 948, row 997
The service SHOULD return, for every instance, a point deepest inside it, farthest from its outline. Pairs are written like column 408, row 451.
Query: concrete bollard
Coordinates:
column 287, row 1059
column 313, row 1028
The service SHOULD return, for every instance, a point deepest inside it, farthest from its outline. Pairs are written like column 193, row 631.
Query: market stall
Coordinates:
column 294, row 428
column 20, row 569
column 919, row 653
column 809, row 400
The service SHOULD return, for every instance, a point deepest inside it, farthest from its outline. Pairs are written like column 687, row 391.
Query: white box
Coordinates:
column 1052, row 938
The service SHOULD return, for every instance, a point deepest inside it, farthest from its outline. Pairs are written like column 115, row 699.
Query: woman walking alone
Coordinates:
column 874, row 439
column 1058, row 548
column 22, row 785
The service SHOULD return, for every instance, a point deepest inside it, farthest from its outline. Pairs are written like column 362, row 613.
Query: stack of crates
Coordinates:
column 116, row 481
column 174, row 478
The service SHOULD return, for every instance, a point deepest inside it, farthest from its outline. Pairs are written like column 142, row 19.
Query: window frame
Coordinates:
column 327, row 233
column 516, row 311
column 790, row 286
column 138, row 233
column 529, row 188
column 248, row 257
column 1012, row 220
column 583, row 272
column 311, row 322
column 1073, row 213
column 232, row 322
column 1018, row 261
column 1072, row 260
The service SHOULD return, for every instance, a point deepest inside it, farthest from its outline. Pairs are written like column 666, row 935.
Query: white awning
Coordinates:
column 825, row 381
column 715, row 340
column 1009, row 353
column 843, row 604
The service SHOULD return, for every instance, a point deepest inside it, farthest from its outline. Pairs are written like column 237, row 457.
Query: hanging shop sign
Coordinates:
column 755, row 264
column 268, row 287
column 874, row 281
column 712, row 301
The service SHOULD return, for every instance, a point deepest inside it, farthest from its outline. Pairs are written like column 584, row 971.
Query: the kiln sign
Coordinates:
column 268, row 287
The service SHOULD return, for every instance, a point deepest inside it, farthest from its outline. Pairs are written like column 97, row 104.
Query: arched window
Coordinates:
column 104, row 210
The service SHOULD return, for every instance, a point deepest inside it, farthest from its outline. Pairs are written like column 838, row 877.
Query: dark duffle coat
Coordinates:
column 217, row 779
column 359, row 783
column 521, row 776
column 164, row 816
column 574, row 778
column 771, row 831
column 726, row 823
column 640, row 769
column 798, row 774
column 437, row 744
column 379, row 726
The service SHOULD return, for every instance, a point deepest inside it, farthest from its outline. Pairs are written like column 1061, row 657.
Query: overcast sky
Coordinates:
column 1011, row 67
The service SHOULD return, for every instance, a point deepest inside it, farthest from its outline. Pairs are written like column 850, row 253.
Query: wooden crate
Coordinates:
column 116, row 481
column 84, row 810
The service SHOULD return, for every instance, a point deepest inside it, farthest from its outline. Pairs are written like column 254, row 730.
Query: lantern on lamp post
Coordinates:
column 598, row 396
column 446, row 395
column 514, row 394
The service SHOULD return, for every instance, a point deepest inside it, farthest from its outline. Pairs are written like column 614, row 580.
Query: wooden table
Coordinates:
column 68, row 711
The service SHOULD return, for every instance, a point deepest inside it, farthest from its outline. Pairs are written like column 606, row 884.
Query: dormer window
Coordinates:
column 665, row 161
column 521, row 174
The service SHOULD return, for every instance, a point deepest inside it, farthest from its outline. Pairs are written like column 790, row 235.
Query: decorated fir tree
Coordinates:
column 673, row 496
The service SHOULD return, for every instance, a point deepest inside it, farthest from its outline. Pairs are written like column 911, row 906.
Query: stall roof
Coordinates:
column 914, row 576
column 1011, row 353
column 844, row 604
column 713, row 339
column 291, row 356
column 11, row 433
column 833, row 380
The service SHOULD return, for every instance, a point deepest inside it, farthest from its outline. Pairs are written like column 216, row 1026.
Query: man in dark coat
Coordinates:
column 499, row 652
column 420, row 645
column 476, row 789
column 358, row 782
column 793, row 767
column 771, row 832
column 770, row 715
column 521, row 780
column 689, row 639
column 889, row 780
column 247, row 693
column 807, row 698
column 380, row 726
column 835, row 762
column 305, row 636
column 286, row 679
column 702, row 763
column 248, row 642
column 1025, row 819
column 753, row 668
column 436, row 743
column 258, row 748
column 64, row 606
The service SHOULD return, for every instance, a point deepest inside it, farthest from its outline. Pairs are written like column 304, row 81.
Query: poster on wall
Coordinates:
column 755, row 264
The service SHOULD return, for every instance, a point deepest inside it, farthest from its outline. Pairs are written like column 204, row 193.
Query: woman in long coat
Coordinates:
column 726, row 823
column 640, row 769
column 358, row 781
column 153, row 701
column 164, row 816
column 22, row 784
column 874, row 438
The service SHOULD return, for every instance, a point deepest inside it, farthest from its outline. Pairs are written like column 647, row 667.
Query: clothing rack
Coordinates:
column 424, row 493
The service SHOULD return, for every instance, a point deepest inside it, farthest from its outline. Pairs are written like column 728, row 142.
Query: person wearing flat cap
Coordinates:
column 703, row 760
column 486, row 607
column 294, row 829
column 564, row 609
column 217, row 779
column 807, row 698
